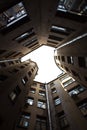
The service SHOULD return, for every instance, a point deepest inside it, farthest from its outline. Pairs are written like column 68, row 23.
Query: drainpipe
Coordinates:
column 48, row 108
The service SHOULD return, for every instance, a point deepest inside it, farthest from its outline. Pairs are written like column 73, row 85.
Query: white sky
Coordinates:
column 44, row 57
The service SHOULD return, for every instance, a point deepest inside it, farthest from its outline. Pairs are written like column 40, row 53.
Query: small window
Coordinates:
column 2, row 64
column 30, row 101
column 24, row 120
column 15, row 93
column 22, row 66
column 32, row 90
column 41, row 104
column 57, row 101
column 3, row 78
column 85, row 78
column 63, row 58
column 75, row 74
column 55, row 38
column 52, row 84
column 53, row 90
column 25, row 35
column 59, row 57
column 82, row 61
column 42, row 93
column 29, row 73
column 70, row 59
column 42, row 86
column 11, row 62
column 24, row 80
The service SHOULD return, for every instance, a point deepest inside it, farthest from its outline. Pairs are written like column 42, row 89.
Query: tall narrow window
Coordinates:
column 24, row 120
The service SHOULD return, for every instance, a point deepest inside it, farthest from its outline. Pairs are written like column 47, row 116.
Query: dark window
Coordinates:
column 75, row 74
column 82, row 61
column 83, row 107
column 11, row 62
column 59, row 57
column 29, row 73
column 3, row 78
column 66, row 69
column 52, row 84
column 57, row 101
column 63, row 58
column 41, row 123
column 70, row 59
column 63, row 122
column 85, row 78
column 22, row 66
column 53, row 90
column 30, row 42
column 55, row 38
column 15, row 93
column 25, row 35
column 2, row 51
column 2, row 64
column 24, row 120
column 42, row 86
column 14, row 71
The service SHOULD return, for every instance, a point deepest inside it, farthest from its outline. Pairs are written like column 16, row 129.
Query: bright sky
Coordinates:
column 44, row 57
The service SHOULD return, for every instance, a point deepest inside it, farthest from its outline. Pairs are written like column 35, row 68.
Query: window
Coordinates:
column 75, row 74
column 57, row 101
column 12, row 15
column 41, row 104
column 29, row 73
column 30, row 101
column 42, row 86
column 76, row 90
column 59, row 57
column 70, row 59
column 14, row 71
column 24, row 80
column 42, row 93
column 41, row 123
column 25, row 35
column 3, row 78
column 53, row 90
column 82, row 61
column 65, row 84
column 2, row 64
column 61, row 30
column 15, row 93
column 73, row 9
column 83, row 107
column 32, row 90
column 52, row 84
column 63, row 58
column 55, row 38
column 63, row 121
column 11, row 62
column 85, row 78
column 24, row 120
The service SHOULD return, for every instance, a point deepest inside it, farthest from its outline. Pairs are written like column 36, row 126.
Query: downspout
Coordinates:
column 48, row 108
